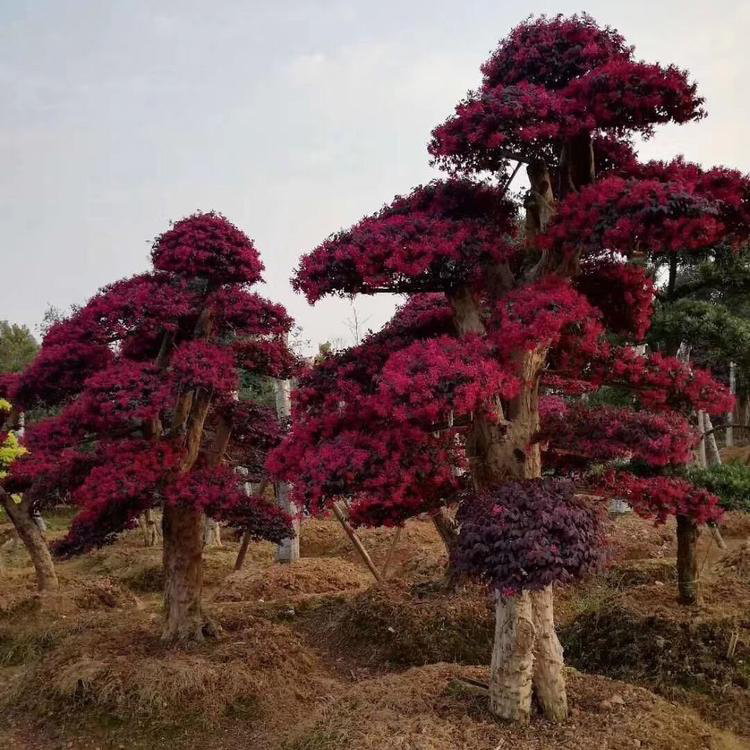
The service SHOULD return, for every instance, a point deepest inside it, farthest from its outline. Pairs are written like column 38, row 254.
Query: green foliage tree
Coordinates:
column 17, row 347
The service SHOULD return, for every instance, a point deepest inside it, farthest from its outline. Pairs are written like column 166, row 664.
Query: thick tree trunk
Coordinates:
column 687, row 560
column 549, row 679
column 512, row 666
column 31, row 535
column 183, row 576
column 446, row 528
column 499, row 452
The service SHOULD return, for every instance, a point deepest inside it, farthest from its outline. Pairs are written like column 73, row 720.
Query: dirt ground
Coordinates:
column 316, row 656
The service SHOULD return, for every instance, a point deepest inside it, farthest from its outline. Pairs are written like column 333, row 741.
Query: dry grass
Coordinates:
column 302, row 642
column 737, row 562
column 402, row 625
column 118, row 667
column 308, row 576
column 419, row 553
column 427, row 709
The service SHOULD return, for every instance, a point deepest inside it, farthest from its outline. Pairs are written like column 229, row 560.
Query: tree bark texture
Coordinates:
column 32, row 538
column 687, row 560
column 549, row 678
column 183, row 576
column 512, row 666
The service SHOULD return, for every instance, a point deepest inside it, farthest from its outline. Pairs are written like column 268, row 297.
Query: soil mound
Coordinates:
column 118, row 667
column 702, row 663
column 736, row 562
column 427, row 708
column 401, row 625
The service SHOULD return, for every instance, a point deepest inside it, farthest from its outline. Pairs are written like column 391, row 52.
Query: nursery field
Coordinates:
column 316, row 656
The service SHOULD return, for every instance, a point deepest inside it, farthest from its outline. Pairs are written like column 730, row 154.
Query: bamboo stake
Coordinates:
column 356, row 541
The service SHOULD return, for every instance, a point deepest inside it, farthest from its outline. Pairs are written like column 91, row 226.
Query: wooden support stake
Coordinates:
column 239, row 562
column 338, row 511
column 717, row 535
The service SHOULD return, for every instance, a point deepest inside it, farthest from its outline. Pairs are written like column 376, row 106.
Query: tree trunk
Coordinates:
column 512, row 667
column 687, row 560
column 729, row 432
column 549, row 679
column 31, row 536
column 288, row 550
column 212, row 534
column 500, row 451
column 446, row 527
column 183, row 576
column 149, row 528
column 242, row 553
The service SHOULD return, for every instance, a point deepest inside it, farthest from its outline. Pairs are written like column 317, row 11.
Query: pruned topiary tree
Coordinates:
column 145, row 379
column 451, row 400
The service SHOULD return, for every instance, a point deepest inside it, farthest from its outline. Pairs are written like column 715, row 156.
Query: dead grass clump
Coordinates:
column 118, row 667
column 702, row 663
column 630, row 573
column 101, row 593
column 309, row 575
column 418, row 546
column 20, row 597
column 619, row 644
column 145, row 578
column 736, row 562
column 426, row 708
column 404, row 625
column 20, row 646
column 735, row 524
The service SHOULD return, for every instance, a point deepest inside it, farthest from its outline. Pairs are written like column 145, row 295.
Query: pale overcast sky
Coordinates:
column 293, row 118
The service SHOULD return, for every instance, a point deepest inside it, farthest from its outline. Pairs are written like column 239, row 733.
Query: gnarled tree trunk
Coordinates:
column 527, row 655
column 31, row 535
column 183, row 575
column 549, row 678
column 512, row 666
column 446, row 527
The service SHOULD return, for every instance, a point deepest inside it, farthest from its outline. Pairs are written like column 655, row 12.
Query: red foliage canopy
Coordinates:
column 557, row 79
column 401, row 422
column 434, row 239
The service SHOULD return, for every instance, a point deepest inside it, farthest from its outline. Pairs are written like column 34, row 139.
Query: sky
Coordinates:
column 292, row 118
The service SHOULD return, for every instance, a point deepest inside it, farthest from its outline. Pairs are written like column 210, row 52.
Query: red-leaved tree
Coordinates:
column 475, row 385
column 145, row 380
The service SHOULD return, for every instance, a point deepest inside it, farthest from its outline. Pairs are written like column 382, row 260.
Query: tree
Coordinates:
column 146, row 377
column 703, row 308
column 17, row 347
column 443, row 404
